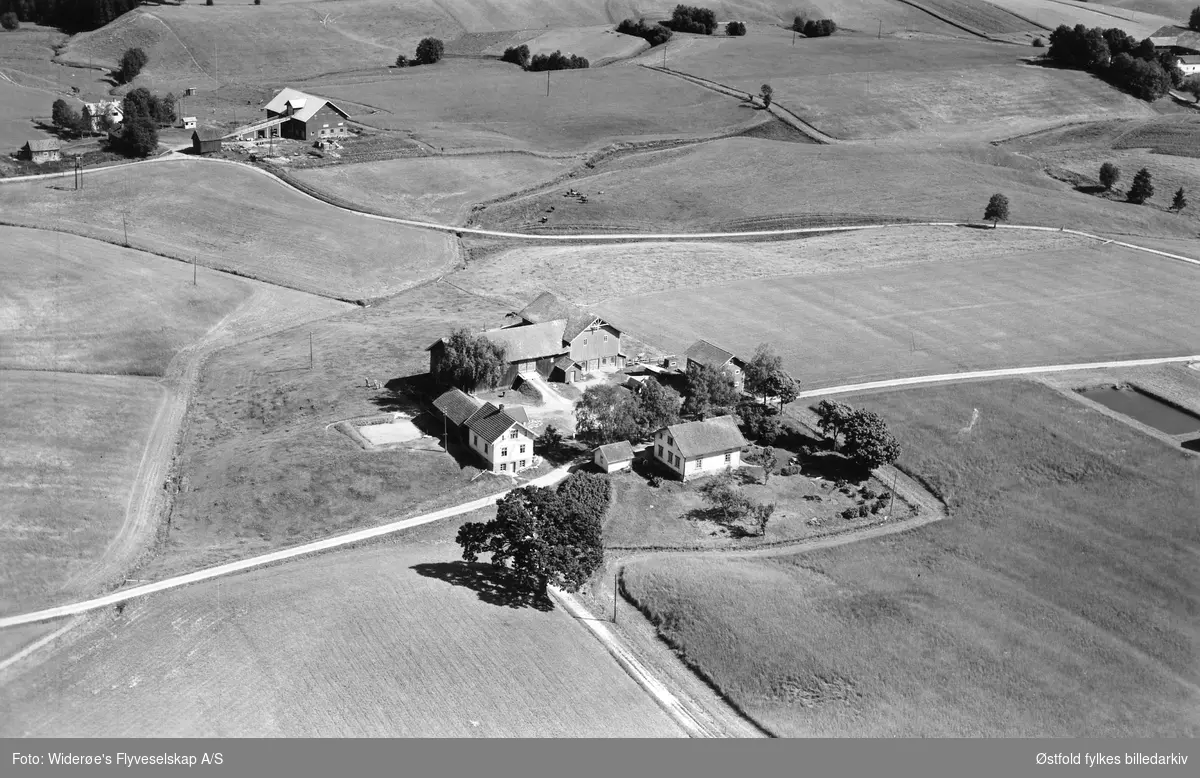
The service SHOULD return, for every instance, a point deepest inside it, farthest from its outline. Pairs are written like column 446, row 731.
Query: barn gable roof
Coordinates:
column 709, row 354
column 711, row 436
column 43, row 144
column 304, row 105
column 456, row 405
column 533, row 341
column 547, row 306
column 207, row 134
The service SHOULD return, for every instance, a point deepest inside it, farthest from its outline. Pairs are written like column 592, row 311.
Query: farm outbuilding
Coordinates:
column 189, row 122
column 41, row 150
column 704, row 353
column 307, row 117
column 206, row 140
column 614, row 456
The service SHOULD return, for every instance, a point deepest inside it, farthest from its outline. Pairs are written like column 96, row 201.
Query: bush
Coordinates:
column 850, row 513
column 735, row 29
column 517, row 55
column 9, row 21
column 402, row 61
column 791, row 470
column 688, row 18
column 557, row 61
column 655, row 480
column 1109, row 175
column 653, row 33
column 429, row 51
column 818, row 28
column 1038, row 43
column 208, row 2
column 868, row 493
column 258, row 2
column 132, row 62
column 863, row 511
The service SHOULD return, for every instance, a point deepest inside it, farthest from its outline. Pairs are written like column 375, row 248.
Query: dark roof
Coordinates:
column 617, row 452
column 207, row 133
column 564, row 362
column 457, row 405
column 548, row 307
column 533, row 341
column 489, row 422
column 711, row 436
column 43, row 144
column 517, row 412
column 1174, row 35
column 708, row 354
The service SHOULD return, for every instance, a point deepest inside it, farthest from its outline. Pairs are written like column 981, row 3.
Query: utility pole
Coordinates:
column 616, row 576
column 310, row 352
column 892, row 501
column 547, row 83
column 194, row 271
column 793, row 37
column 880, row 36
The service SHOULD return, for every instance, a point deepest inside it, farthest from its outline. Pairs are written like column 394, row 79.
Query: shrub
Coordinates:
column 735, row 29
column 689, row 18
column 9, row 21
column 557, row 61
column 850, row 513
column 791, row 470
column 868, row 493
column 863, row 511
column 402, row 61
column 132, row 62
column 258, row 2
column 655, row 480
column 208, row 2
column 139, row 137
column 429, row 51
column 1038, row 43
column 1109, row 175
column 653, row 33
column 819, row 28
column 517, row 55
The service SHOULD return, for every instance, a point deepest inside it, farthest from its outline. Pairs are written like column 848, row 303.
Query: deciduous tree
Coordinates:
column 832, row 417
column 766, row 377
column 709, row 391
column 471, row 361
column 1194, row 19
column 655, row 406
column 605, row 414
column 997, row 209
column 1109, row 175
column 735, row 29
column 869, row 443
column 544, row 536
column 139, row 137
column 766, row 93
column 9, row 21
column 429, row 51
column 64, row 116
column 132, row 62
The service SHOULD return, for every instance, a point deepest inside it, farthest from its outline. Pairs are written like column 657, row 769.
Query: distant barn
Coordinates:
column 41, row 150
column 206, row 140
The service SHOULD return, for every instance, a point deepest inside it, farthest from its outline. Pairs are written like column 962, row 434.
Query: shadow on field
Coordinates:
column 492, row 586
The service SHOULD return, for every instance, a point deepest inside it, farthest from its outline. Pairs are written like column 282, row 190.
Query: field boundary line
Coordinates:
column 631, row 665
column 35, row 645
column 47, row 614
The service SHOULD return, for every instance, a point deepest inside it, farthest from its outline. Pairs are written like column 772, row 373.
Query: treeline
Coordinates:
column 519, row 55
column 814, row 28
column 655, row 34
column 68, row 15
column 1118, row 58
column 689, row 18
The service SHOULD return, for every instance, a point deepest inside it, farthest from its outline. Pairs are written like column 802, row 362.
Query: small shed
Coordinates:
column 189, row 122
column 206, row 140
column 41, row 150
column 614, row 456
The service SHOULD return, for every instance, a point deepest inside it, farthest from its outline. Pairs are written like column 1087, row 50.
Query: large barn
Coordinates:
column 307, row 117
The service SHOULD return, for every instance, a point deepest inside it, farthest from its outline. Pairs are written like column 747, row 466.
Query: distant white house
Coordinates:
column 696, row 448
column 500, row 435
column 96, row 113
column 189, row 122
column 1190, row 64
column 614, row 456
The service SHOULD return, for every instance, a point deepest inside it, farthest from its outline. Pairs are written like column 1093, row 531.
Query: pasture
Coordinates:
column 20, row 108
column 600, row 45
column 489, row 104
column 231, row 218
column 382, row 641
column 971, row 312
column 264, row 468
column 74, row 304
column 1140, row 23
column 739, row 184
column 438, row 189
column 1057, row 600
column 860, row 87
column 73, row 445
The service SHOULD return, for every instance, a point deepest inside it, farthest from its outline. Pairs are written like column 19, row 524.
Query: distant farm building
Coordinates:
column 553, row 339
column 207, row 140
column 498, row 434
column 697, row 448
column 189, row 122
column 704, row 353
column 41, row 150
column 102, row 115
column 1190, row 64
column 614, row 456
column 302, row 116
column 1177, row 40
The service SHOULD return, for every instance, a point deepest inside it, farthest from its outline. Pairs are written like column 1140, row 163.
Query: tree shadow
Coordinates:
column 492, row 585
column 832, row 467
column 1090, row 189
column 736, row 530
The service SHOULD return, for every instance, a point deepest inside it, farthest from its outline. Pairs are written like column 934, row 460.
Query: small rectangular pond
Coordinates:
column 1147, row 409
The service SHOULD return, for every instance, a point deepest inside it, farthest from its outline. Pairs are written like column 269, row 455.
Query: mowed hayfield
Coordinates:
column 262, row 467
column 232, row 218
column 1058, row 600
column 384, row 641
column 860, row 87
column 748, row 183
column 73, row 445
column 75, row 304
column 972, row 312
column 463, row 103
column 437, row 189
column 1138, row 22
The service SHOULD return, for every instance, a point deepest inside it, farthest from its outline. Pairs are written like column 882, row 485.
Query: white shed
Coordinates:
column 614, row 456
column 189, row 122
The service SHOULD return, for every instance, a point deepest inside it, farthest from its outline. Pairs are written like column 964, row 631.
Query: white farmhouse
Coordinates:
column 698, row 448
column 501, row 437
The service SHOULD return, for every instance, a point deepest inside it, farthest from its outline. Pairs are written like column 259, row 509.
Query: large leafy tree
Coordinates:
column 139, row 137
column 766, row 377
column 132, row 62
column 606, row 413
column 710, row 391
column 869, row 443
column 997, row 209
column 1110, row 174
column 543, row 536
column 1194, row 19
column 429, row 51
column 64, row 116
column 471, row 361
column 655, row 406
column 832, row 418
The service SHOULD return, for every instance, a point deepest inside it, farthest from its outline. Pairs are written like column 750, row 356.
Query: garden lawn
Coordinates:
column 70, row 303
column 1058, row 600
column 232, row 218
column 72, row 448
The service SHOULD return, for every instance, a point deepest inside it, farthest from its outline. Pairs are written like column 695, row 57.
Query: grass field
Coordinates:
column 748, row 183
column 980, row 15
column 1177, row 136
column 1139, row 23
column 859, row 87
column 264, row 469
column 1174, row 9
column 489, row 104
column 439, row 189
column 1058, row 599
column 73, row 445
column 19, row 108
column 599, row 44
column 266, row 230
column 973, row 312
column 69, row 303
column 376, row 642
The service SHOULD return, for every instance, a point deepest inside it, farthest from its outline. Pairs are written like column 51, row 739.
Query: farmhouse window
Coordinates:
column 504, row 452
column 522, row 448
column 474, row 440
column 485, row 448
column 585, row 341
column 522, row 463
column 606, row 337
column 503, row 466
column 660, row 452
column 728, row 458
column 513, row 435
column 324, row 125
column 670, row 441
